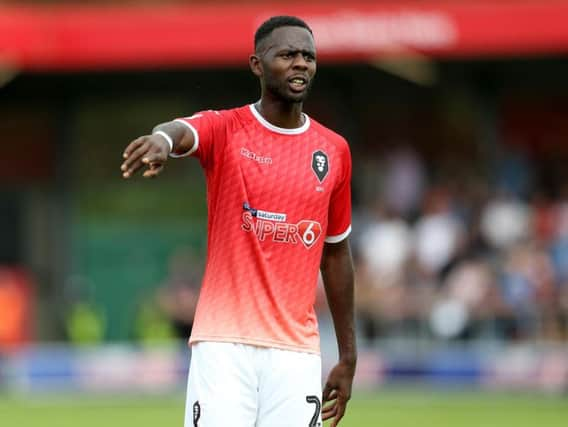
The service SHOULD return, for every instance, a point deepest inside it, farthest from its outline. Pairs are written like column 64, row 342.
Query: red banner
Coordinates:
column 72, row 37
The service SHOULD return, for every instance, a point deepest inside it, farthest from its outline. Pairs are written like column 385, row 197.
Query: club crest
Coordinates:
column 320, row 164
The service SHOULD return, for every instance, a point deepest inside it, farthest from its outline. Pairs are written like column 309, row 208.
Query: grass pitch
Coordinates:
column 384, row 408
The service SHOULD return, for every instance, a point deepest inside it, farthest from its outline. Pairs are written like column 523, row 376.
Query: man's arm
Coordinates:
column 337, row 273
column 152, row 150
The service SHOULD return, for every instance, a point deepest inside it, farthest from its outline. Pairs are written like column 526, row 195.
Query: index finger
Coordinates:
column 132, row 146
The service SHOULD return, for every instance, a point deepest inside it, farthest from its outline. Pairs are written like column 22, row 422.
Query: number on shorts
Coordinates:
column 316, row 401
column 196, row 413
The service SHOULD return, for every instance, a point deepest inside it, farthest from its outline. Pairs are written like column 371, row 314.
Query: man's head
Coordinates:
column 284, row 58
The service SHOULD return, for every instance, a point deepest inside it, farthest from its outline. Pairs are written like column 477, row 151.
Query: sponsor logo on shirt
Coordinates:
column 306, row 231
column 263, row 160
column 272, row 216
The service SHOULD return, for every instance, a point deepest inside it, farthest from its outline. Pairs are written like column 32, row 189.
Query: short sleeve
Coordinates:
column 339, row 217
column 209, row 130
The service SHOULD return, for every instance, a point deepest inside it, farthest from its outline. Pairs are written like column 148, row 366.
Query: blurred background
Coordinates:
column 456, row 112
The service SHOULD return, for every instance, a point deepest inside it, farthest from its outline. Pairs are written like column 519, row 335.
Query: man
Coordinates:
column 279, row 210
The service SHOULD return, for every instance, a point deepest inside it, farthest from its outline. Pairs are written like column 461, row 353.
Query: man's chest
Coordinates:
column 302, row 169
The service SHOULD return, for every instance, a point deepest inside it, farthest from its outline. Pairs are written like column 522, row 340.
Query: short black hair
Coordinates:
column 268, row 26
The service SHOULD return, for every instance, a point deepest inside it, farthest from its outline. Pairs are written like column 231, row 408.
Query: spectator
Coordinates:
column 505, row 220
column 438, row 233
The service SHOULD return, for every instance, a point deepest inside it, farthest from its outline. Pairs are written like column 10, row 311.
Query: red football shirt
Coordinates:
column 274, row 196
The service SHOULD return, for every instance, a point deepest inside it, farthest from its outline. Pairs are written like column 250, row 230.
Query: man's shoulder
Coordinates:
column 236, row 116
column 232, row 112
column 329, row 134
column 228, row 113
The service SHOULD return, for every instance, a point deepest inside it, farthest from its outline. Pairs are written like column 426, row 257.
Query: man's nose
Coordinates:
column 300, row 61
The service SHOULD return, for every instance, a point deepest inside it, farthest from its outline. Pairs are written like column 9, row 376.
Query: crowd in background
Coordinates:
column 460, row 259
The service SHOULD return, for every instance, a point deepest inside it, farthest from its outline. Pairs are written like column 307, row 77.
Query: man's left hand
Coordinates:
column 337, row 392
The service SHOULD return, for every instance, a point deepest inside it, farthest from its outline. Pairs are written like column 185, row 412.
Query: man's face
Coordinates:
column 287, row 63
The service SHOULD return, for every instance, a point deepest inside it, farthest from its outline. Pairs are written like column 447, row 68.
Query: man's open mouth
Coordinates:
column 298, row 83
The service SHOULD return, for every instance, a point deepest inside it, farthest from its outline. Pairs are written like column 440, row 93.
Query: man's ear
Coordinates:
column 255, row 65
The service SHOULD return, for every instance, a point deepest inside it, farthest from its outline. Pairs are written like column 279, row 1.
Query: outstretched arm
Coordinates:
column 337, row 273
column 151, row 151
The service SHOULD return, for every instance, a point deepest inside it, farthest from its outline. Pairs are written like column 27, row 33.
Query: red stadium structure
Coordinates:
column 102, row 37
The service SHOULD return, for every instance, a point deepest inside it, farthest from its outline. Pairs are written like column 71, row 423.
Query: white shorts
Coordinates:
column 240, row 385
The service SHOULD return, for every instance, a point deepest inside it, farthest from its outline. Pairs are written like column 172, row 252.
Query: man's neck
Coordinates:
column 280, row 114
